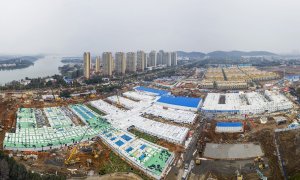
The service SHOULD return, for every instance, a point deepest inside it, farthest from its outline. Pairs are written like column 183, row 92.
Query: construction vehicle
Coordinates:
column 260, row 162
column 96, row 153
column 239, row 176
column 260, row 165
column 74, row 151
column 258, row 159
column 198, row 160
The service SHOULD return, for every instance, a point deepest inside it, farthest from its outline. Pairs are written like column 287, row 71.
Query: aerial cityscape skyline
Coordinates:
column 122, row 63
column 149, row 89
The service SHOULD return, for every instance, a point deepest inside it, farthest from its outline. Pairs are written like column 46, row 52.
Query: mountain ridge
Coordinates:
column 220, row 54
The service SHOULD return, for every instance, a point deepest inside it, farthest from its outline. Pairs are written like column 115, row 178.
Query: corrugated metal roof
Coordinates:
column 229, row 124
column 180, row 101
column 152, row 90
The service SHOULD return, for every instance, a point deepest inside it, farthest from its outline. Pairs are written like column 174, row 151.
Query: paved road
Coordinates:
column 188, row 155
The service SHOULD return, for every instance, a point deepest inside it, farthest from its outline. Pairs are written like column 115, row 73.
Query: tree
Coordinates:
column 4, row 170
column 65, row 94
column 49, row 84
column 298, row 91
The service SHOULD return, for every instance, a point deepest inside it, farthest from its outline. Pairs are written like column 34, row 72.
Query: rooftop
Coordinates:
column 149, row 157
column 229, row 124
column 232, row 151
column 152, row 90
column 180, row 101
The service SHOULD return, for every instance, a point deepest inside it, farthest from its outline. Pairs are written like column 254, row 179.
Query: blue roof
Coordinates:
column 126, row 137
column 180, row 101
column 67, row 80
column 292, row 77
column 220, row 111
column 129, row 149
column 244, row 65
column 143, row 147
column 152, row 90
column 119, row 143
column 229, row 124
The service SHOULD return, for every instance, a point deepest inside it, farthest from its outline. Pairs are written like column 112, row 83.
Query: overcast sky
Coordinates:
column 74, row 26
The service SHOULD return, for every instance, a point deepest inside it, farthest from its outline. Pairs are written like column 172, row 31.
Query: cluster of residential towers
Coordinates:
column 129, row 62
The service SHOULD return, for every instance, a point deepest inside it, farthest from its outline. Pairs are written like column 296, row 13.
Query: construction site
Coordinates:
column 232, row 147
column 235, row 77
column 77, row 140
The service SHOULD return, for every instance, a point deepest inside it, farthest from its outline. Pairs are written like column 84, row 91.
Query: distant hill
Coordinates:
column 191, row 54
column 27, row 58
column 222, row 54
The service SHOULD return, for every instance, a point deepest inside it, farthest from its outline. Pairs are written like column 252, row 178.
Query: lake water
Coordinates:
column 46, row 66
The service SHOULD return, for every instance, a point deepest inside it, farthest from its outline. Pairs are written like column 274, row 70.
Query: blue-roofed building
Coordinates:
column 229, row 127
column 68, row 80
column 180, row 102
column 152, row 91
column 292, row 78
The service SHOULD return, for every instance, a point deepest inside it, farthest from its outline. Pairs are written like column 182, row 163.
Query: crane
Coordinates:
column 118, row 92
column 74, row 149
column 118, row 102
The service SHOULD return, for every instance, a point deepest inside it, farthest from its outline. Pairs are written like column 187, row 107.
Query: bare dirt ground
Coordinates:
column 116, row 176
column 289, row 143
column 53, row 162
column 254, row 132
column 266, row 138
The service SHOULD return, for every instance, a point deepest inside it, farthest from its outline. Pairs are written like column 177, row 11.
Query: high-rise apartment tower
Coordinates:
column 107, row 63
column 86, row 65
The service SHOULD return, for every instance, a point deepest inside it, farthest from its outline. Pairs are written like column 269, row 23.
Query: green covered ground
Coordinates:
column 144, row 136
column 116, row 164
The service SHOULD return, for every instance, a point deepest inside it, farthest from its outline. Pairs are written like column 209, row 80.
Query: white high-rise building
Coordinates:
column 97, row 65
column 160, row 56
column 87, row 64
column 167, row 58
column 107, row 63
column 120, row 63
column 146, row 60
column 131, row 62
column 140, row 55
column 174, row 58
column 152, row 59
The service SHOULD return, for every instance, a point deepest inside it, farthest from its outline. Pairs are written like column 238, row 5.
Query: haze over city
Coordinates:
column 73, row 26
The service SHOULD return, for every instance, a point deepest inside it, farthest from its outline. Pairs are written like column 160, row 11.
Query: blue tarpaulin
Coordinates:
column 180, row 101
column 229, row 124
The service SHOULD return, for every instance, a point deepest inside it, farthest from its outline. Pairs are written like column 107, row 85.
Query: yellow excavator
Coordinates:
column 74, row 151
